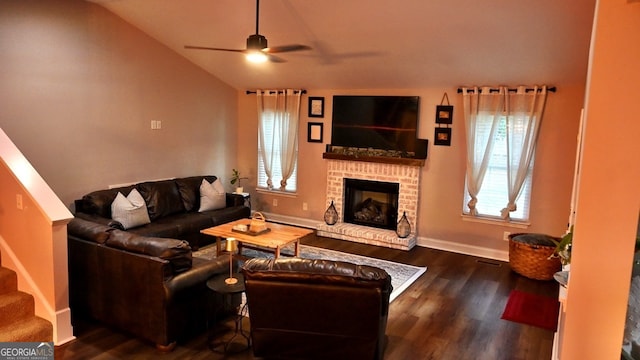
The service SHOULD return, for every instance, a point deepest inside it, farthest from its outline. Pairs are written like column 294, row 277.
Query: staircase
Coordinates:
column 18, row 322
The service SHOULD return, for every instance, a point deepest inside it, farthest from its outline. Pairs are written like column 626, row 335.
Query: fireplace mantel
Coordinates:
column 375, row 159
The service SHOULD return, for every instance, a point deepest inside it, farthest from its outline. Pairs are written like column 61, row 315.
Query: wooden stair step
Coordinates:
column 32, row 329
column 16, row 306
column 8, row 281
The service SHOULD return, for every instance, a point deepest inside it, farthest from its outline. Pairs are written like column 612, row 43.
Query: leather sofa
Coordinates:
column 316, row 309
column 150, row 287
column 172, row 206
column 144, row 280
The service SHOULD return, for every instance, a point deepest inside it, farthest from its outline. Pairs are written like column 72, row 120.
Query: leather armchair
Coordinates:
column 149, row 287
column 316, row 309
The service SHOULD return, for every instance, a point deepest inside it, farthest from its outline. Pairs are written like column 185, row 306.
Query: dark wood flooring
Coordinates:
column 451, row 312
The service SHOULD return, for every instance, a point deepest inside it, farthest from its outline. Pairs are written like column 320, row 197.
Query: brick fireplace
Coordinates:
column 408, row 178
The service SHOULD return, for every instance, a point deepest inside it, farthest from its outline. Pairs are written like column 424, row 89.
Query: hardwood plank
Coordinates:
column 451, row 312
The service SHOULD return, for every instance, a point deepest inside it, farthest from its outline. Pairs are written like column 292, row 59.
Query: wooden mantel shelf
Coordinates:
column 375, row 159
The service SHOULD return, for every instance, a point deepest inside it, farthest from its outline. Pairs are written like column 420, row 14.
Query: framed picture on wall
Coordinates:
column 314, row 132
column 443, row 136
column 316, row 107
column 444, row 114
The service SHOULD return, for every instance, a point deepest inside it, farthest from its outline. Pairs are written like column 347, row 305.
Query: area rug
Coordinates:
column 402, row 275
column 532, row 309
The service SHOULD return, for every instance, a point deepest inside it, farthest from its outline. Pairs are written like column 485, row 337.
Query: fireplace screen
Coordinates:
column 371, row 203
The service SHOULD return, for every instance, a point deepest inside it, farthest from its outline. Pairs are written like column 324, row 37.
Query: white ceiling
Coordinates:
column 377, row 44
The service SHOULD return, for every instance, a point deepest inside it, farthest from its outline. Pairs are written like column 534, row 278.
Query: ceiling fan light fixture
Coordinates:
column 257, row 50
column 256, row 56
column 256, row 42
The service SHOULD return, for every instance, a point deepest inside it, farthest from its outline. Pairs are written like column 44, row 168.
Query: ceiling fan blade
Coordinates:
column 212, row 48
column 275, row 59
column 286, row 48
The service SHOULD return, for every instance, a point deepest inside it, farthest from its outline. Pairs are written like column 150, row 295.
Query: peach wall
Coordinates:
column 78, row 90
column 80, row 86
column 608, row 194
column 442, row 178
column 33, row 238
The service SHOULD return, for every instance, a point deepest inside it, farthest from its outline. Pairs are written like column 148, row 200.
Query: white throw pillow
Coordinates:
column 212, row 196
column 130, row 211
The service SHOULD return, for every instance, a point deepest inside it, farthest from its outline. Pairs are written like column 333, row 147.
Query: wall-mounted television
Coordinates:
column 378, row 122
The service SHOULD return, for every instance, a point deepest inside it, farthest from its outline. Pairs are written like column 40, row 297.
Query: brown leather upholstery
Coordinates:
column 172, row 206
column 162, row 198
column 149, row 287
column 316, row 309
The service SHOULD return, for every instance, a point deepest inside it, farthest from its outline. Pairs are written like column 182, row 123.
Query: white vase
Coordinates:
column 239, row 190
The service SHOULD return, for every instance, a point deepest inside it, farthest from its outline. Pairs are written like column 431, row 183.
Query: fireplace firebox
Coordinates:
column 371, row 203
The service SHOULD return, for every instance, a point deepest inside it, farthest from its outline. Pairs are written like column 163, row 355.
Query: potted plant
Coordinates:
column 236, row 178
column 563, row 247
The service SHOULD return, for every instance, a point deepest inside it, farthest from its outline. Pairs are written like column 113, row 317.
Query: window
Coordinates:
column 493, row 195
column 273, row 140
column 502, row 127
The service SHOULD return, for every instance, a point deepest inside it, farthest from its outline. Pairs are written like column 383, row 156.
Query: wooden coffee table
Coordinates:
column 274, row 240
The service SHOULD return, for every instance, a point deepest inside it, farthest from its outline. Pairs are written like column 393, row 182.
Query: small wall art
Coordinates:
column 443, row 136
column 316, row 106
column 444, row 113
column 314, row 132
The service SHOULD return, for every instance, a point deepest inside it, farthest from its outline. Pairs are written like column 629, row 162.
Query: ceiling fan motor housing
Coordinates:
column 256, row 42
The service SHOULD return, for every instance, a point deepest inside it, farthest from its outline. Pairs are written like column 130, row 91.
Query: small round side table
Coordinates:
column 217, row 284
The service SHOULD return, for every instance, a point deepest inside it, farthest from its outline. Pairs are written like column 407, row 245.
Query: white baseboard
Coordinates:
column 291, row 220
column 63, row 332
column 437, row 244
column 465, row 249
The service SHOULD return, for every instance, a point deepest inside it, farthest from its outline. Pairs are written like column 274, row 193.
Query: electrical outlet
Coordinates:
column 275, row 202
column 505, row 235
column 305, row 207
column 19, row 201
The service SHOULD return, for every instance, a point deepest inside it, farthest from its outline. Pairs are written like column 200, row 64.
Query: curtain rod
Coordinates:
column 491, row 90
column 278, row 91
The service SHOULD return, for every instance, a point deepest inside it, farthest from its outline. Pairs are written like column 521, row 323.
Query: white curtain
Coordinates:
column 524, row 115
column 482, row 111
column 265, row 138
column 278, row 139
column 289, row 134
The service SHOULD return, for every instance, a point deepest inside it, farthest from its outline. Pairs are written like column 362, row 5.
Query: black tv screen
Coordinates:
column 379, row 122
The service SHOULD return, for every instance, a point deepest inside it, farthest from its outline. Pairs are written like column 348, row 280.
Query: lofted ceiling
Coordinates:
column 377, row 44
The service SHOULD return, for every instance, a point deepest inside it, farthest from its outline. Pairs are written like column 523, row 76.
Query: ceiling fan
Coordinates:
column 257, row 49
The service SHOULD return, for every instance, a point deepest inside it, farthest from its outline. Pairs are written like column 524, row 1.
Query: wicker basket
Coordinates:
column 529, row 255
column 258, row 222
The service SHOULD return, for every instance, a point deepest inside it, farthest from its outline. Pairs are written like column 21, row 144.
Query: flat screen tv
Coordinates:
column 378, row 122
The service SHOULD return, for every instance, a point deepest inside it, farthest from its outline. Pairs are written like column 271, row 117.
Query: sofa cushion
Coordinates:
column 175, row 226
column 212, row 196
column 99, row 202
column 189, row 189
column 228, row 214
column 130, row 211
column 177, row 252
column 162, row 198
column 164, row 228
column 89, row 230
